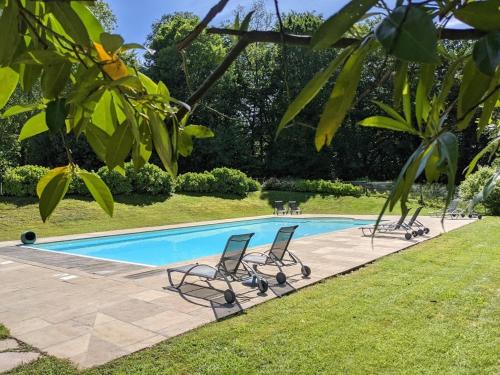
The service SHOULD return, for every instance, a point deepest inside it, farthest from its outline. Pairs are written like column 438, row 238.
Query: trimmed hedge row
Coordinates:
column 21, row 181
column 336, row 188
column 219, row 180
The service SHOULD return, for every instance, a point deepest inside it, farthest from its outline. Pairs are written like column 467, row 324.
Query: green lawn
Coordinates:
column 431, row 309
column 81, row 216
column 4, row 332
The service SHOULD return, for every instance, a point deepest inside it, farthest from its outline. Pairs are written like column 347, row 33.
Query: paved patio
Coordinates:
column 92, row 311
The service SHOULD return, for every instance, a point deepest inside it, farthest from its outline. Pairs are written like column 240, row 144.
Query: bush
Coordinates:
column 230, row 181
column 22, row 181
column 117, row 183
column 337, row 188
column 253, row 185
column 475, row 182
column 192, row 182
column 149, row 179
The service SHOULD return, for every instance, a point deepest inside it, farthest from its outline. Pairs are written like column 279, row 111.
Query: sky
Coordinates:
column 136, row 17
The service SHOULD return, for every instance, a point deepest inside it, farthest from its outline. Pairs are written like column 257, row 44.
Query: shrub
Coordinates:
column 21, row 181
column 253, row 185
column 77, row 186
column 230, row 181
column 195, row 182
column 337, row 188
column 149, row 179
column 117, row 183
column 475, row 182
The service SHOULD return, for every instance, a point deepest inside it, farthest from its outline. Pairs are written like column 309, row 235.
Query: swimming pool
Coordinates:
column 156, row 248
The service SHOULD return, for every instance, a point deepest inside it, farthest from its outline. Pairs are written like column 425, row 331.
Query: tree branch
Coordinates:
column 305, row 40
column 216, row 9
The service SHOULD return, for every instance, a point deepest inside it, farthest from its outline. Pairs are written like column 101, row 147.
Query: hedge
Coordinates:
column 475, row 182
column 218, row 181
column 336, row 188
column 21, row 181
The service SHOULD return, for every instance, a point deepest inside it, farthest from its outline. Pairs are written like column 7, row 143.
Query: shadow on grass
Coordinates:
column 213, row 195
column 286, row 196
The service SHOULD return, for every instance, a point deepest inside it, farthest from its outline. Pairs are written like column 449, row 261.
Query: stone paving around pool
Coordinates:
column 95, row 313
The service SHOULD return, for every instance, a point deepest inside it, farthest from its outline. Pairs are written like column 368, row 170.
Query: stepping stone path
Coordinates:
column 12, row 355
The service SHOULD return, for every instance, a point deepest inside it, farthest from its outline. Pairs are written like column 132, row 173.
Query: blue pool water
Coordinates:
column 174, row 245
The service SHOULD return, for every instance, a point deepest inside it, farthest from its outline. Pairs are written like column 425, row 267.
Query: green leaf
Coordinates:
column 98, row 140
column 337, row 25
column 474, row 86
column 18, row 109
column 148, row 83
column 409, row 34
column 41, row 57
column 119, row 146
column 42, row 183
column 387, row 123
column 312, row 88
column 162, row 143
column 141, row 151
column 92, row 25
column 129, row 46
column 390, row 111
column 483, row 15
column 34, row 126
column 100, row 192
column 70, row 21
column 185, row 144
column 55, row 115
column 54, row 79
column 448, row 149
column 246, row 21
column 104, row 115
column 489, row 104
column 9, row 33
column 422, row 105
column 486, row 53
column 342, row 95
column 163, row 91
column 8, row 79
column 198, row 131
column 111, row 42
column 490, row 147
column 449, row 80
column 432, row 171
column 399, row 82
column 407, row 101
column 53, row 193
column 29, row 74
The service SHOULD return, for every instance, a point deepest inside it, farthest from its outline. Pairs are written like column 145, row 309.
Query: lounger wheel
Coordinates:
column 229, row 296
column 426, row 230
column 263, row 285
column 463, row 215
column 281, row 278
column 479, row 217
column 420, row 232
column 306, row 270
column 408, row 236
column 414, row 233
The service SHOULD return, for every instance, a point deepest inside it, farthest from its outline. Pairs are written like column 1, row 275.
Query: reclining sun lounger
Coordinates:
column 452, row 211
column 279, row 208
column 420, row 228
column 228, row 269
column 278, row 255
column 397, row 226
column 293, row 208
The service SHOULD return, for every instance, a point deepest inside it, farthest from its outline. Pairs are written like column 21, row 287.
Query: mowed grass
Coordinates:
column 431, row 309
column 4, row 332
column 82, row 216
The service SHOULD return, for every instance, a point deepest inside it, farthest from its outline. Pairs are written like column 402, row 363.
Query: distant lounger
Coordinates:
column 278, row 255
column 228, row 269
column 279, row 208
column 390, row 227
column 454, row 212
column 293, row 208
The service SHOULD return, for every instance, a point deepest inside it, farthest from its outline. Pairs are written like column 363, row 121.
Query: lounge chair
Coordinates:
column 397, row 226
column 452, row 211
column 227, row 269
column 278, row 255
column 279, row 208
column 420, row 228
column 293, row 208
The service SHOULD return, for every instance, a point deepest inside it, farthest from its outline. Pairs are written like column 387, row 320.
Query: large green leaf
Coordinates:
column 111, row 42
column 337, row 25
column 162, row 143
column 119, row 146
column 491, row 147
column 486, row 52
column 98, row 140
column 409, row 34
column 53, row 192
column 18, row 109
column 342, row 95
column 34, row 126
column 8, row 81
column 312, row 88
column 483, row 15
column 9, row 35
column 387, row 123
column 148, row 83
column 407, row 101
column 246, row 21
column 29, row 74
column 490, row 104
column 54, row 79
column 390, row 111
column 422, row 105
column 92, row 25
column 399, row 82
column 198, row 131
column 41, row 57
column 448, row 149
column 56, row 114
column 70, row 21
column 104, row 115
column 99, row 190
